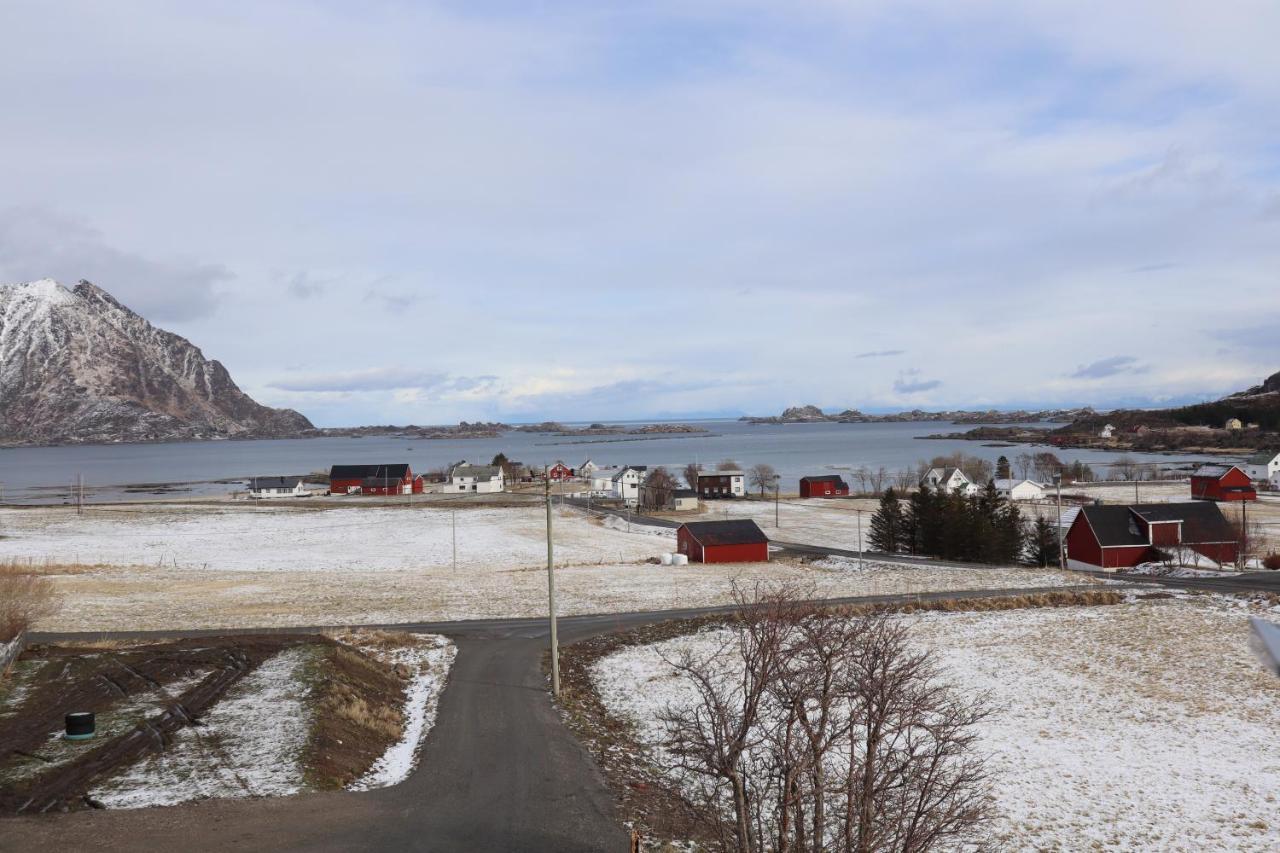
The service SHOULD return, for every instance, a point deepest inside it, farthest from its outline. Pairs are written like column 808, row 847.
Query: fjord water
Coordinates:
column 131, row 471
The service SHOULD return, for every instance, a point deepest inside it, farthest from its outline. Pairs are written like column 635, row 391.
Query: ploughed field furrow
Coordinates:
column 109, row 680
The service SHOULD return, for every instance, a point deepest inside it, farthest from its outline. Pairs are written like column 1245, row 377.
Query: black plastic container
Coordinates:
column 80, row 725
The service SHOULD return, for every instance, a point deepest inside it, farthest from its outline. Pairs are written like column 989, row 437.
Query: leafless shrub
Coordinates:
column 26, row 597
column 816, row 731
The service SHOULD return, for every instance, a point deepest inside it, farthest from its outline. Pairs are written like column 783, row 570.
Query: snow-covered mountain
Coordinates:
column 77, row 366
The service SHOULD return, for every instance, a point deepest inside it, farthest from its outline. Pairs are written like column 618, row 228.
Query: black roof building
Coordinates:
column 738, row 532
column 381, row 473
column 1116, row 525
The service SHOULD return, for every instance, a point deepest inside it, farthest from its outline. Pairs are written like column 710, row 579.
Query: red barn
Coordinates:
column 827, row 486
column 1120, row 537
column 739, row 541
column 559, row 471
column 1222, row 483
column 373, row 480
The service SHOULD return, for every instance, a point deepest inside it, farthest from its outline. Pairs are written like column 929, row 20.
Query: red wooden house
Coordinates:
column 826, row 486
column 1120, row 537
column 559, row 471
column 740, row 541
column 1222, row 483
column 373, row 480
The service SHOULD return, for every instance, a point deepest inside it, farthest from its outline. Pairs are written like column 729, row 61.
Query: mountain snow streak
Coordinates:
column 77, row 366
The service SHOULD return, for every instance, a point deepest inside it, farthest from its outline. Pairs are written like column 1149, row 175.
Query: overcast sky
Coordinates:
column 426, row 212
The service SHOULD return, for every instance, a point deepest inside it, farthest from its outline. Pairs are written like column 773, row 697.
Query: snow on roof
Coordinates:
column 1212, row 470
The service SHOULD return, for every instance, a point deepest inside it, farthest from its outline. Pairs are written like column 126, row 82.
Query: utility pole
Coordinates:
column 455, row 540
column 1062, row 557
column 551, row 595
column 777, row 480
column 79, row 494
column 859, row 512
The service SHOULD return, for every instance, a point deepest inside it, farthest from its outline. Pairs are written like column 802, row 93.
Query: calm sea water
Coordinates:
column 44, row 474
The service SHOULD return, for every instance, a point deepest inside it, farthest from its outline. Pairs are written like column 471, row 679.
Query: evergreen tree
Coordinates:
column 1003, row 471
column 889, row 531
column 1042, row 543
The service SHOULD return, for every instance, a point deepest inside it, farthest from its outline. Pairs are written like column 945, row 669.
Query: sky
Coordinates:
column 415, row 212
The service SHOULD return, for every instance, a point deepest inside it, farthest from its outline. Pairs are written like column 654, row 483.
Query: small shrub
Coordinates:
column 1271, row 561
column 26, row 597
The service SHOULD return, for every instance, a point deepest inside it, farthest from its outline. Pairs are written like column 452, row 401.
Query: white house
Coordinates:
column 627, row 481
column 949, row 480
column 277, row 487
column 588, row 469
column 1020, row 490
column 1263, row 466
column 684, row 500
column 1275, row 481
column 477, row 479
column 1107, row 431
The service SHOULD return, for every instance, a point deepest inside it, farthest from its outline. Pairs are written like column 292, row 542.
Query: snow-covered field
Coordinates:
column 216, row 567
column 1139, row 726
column 247, row 745
column 251, row 742
column 257, row 538
column 149, row 598
column 814, row 521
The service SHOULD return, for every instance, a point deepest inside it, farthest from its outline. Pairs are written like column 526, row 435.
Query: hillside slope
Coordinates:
column 77, row 366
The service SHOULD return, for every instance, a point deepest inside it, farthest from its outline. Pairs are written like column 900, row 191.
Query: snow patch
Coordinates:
column 431, row 659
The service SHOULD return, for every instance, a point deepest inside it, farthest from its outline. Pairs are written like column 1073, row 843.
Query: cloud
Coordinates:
column 306, row 285
column 1107, row 367
column 36, row 242
column 384, row 379
column 883, row 353
column 908, row 382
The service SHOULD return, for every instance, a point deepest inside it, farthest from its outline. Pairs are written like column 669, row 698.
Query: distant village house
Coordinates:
column 476, row 479
column 824, row 486
column 684, row 500
column 1112, row 537
column 1263, row 467
column 373, row 480
column 950, row 481
column 277, row 487
column 722, row 484
column 1020, row 490
column 740, row 541
column 1222, row 483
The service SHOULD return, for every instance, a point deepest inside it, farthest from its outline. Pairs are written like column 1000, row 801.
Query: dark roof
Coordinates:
column 825, row 478
column 739, row 532
column 684, row 493
column 368, row 472
column 1116, row 525
column 257, row 484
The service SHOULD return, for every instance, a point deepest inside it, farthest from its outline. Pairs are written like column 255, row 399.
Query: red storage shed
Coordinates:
column 559, row 471
column 826, row 486
column 1121, row 537
column 1222, row 483
column 373, row 480
column 739, row 541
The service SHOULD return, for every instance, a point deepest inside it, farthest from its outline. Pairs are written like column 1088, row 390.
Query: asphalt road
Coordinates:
column 498, row 771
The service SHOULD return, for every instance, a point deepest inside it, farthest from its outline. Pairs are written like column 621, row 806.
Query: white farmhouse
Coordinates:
column 1020, row 490
column 951, row 481
column 627, row 481
column 277, row 487
column 1263, row 467
column 588, row 469
column 1107, row 431
column 477, row 479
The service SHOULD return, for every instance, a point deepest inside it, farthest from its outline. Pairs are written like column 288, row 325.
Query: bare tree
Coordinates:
column 762, row 476
column 1125, row 468
column 728, row 465
column 658, row 488
column 904, row 479
column 691, row 472
column 1024, row 461
column 812, row 731
column 877, row 478
column 863, row 475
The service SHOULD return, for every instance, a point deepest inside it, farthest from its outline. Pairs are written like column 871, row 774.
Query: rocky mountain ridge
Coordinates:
column 813, row 414
column 76, row 366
